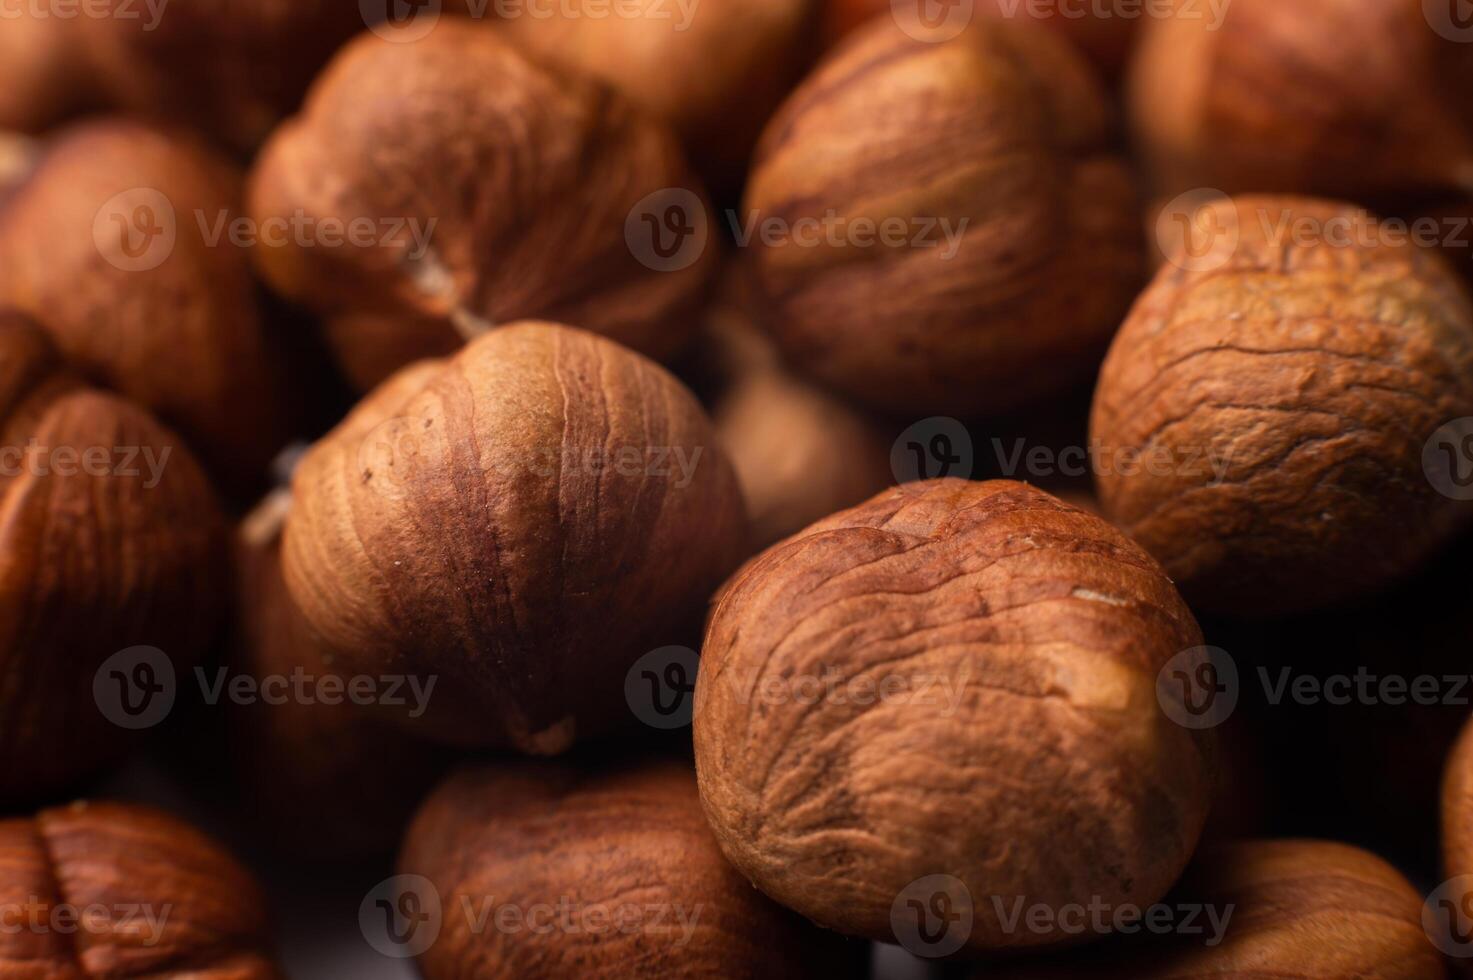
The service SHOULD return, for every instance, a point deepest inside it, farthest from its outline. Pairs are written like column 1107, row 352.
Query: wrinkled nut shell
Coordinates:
column 519, row 191
column 992, row 148
column 161, row 898
column 1457, row 829
column 181, row 332
column 96, row 559
column 1287, row 908
column 1020, row 749
column 1277, row 405
column 535, row 514
column 628, row 848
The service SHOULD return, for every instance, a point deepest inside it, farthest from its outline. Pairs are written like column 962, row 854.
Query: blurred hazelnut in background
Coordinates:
column 119, row 243
column 110, row 889
column 112, row 554
column 1362, row 99
column 523, row 199
column 942, row 228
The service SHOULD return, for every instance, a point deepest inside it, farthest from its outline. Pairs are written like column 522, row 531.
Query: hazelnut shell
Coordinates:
column 1021, row 748
column 1002, row 134
column 535, row 514
column 521, row 190
column 1279, row 399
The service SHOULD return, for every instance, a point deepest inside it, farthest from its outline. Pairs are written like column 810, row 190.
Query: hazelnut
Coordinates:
column 1282, row 908
column 107, row 244
column 1102, row 35
column 941, row 227
column 1261, row 419
column 620, row 865
column 497, row 202
column 1351, row 98
column 229, row 68
column 715, row 70
column 113, row 890
column 1457, row 817
column 538, row 512
column 956, row 679
column 327, row 778
column 43, row 73
column 800, row 453
column 110, row 540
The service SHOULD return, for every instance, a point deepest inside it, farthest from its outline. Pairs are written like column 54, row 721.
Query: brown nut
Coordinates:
column 954, row 679
column 97, row 890
column 941, row 227
column 619, row 866
column 715, row 69
column 498, row 202
column 800, row 453
column 1350, row 98
column 542, row 510
column 43, row 70
column 1451, row 904
column 108, row 244
column 1261, row 422
column 111, row 539
column 1306, row 909
column 230, row 68
column 327, row 777
column 1102, row 34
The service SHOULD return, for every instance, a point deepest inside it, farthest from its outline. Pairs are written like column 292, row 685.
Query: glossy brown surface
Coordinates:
column 621, row 868
column 95, row 557
column 96, row 890
column 1284, row 393
column 538, row 511
column 1013, row 248
column 109, row 245
column 1020, row 749
column 522, row 191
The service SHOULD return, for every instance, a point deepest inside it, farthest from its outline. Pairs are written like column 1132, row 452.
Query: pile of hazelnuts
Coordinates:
column 584, row 465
